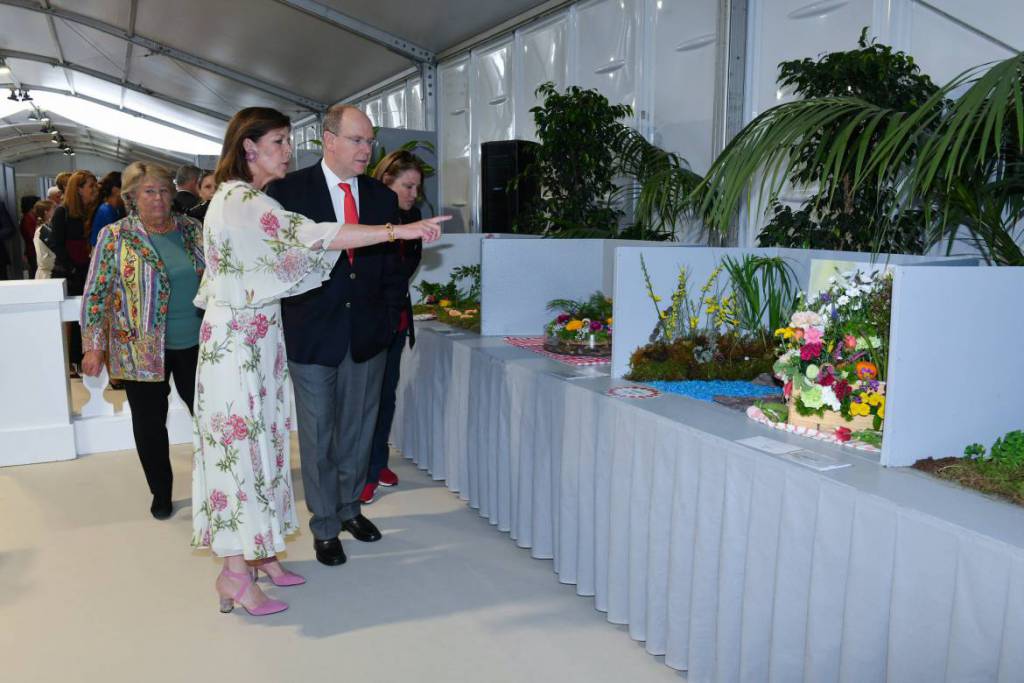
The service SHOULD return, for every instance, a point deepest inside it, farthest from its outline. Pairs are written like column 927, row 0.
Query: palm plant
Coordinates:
column 960, row 164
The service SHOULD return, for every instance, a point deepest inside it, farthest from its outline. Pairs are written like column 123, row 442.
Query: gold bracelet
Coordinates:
column 391, row 232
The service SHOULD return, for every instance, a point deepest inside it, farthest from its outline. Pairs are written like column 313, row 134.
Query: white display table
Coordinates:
column 732, row 563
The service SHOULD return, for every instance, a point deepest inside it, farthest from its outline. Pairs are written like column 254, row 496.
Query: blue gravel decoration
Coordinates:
column 704, row 390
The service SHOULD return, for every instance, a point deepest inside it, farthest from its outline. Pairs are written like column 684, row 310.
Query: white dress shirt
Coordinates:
column 337, row 195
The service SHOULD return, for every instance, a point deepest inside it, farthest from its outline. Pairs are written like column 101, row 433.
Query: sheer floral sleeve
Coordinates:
column 256, row 252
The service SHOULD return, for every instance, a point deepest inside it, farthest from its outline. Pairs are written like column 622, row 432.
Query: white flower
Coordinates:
column 843, row 300
column 853, row 292
column 828, row 397
column 805, row 319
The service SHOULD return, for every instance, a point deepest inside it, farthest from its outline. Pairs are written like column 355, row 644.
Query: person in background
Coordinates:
column 207, row 186
column 186, row 180
column 61, row 181
column 402, row 173
column 70, row 223
column 138, row 317
column 111, row 208
column 55, row 195
column 7, row 231
column 46, row 259
column 28, row 231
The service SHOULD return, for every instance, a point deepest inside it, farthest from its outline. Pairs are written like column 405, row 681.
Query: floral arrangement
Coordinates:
column 835, row 354
column 451, row 302
column 720, row 332
column 582, row 327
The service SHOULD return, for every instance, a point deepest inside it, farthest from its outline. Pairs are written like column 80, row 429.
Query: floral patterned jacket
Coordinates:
column 124, row 306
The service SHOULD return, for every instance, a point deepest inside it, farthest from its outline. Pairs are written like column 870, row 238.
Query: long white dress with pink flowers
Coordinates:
column 256, row 253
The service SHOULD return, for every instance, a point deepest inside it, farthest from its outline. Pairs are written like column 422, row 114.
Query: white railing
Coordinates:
column 38, row 422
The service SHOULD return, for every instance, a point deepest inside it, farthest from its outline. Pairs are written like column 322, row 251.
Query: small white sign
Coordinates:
column 816, row 461
column 768, row 445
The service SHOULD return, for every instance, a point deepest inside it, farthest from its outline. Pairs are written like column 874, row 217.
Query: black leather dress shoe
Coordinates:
column 361, row 529
column 329, row 552
column 161, row 508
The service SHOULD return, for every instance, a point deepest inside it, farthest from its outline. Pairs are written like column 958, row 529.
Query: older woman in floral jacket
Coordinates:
column 138, row 317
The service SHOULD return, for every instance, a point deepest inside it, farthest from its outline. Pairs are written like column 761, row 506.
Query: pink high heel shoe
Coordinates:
column 287, row 578
column 227, row 600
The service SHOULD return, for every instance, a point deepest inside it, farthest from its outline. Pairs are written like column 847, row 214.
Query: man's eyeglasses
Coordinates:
column 357, row 141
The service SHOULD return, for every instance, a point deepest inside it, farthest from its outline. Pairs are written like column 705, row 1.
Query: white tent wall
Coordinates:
column 664, row 58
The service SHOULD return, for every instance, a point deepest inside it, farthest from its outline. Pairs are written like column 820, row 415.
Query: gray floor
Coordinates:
column 93, row 589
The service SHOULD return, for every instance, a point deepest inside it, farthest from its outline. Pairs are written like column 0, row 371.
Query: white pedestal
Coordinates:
column 35, row 414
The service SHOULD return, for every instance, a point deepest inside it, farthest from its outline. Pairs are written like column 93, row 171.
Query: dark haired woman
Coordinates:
column 256, row 253
column 402, row 172
column 111, row 207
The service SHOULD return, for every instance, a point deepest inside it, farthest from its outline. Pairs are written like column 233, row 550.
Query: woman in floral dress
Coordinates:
column 256, row 253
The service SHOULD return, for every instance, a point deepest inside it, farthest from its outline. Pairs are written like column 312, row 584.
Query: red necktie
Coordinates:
column 351, row 215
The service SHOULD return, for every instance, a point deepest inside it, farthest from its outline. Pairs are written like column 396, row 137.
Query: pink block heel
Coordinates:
column 228, row 600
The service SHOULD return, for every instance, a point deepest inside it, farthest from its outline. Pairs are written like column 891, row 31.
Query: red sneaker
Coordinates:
column 387, row 478
column 366, row 497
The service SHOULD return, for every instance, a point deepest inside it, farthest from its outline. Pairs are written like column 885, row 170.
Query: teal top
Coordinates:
column 183, row 319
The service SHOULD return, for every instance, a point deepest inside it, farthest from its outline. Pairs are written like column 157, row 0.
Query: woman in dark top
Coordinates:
column 111, row 206
column 71, row 223
column 207, row 186
column 402, row 172
column 28, row 231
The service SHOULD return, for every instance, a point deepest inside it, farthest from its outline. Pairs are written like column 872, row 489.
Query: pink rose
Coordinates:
column 843, row 434
column 238, row 428
column 218, row 500
column 205, row 332
column 279, row 460
column 270, row 224
column 259, row 540
column 850, row 342
column 812, row 335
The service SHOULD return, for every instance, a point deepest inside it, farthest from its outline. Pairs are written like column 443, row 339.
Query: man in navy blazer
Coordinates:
column 335, row 335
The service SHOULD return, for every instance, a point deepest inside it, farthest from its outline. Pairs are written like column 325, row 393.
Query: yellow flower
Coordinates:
column 444, row 303
column 664, row 314
column 881, row 410
column 574, row 325
column 657, row 298
column 874, row 398
column 860, row 408
column 610, row 321
column 694, row 321
column 784, row 332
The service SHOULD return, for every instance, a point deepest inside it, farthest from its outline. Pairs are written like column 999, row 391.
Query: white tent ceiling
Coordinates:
column 193, row 63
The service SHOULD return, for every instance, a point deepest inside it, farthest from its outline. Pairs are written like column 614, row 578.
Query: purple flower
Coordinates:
column 595, row 326
column 563, row 318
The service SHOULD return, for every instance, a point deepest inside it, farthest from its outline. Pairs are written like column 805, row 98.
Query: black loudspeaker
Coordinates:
column 501, row 162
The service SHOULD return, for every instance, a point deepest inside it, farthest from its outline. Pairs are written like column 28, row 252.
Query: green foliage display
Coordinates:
column 463, row 287
column 765, row 290
column 575, row 161
column 589, row 164
column 1000, row 473
column 957, row 163
column 841, row 216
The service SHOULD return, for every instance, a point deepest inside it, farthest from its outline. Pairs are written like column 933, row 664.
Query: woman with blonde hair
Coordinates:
column 402, row 172
column 138, row 317
column 243, row 504
column 70, row 226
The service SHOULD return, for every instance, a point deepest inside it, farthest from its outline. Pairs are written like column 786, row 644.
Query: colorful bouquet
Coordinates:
column 835, row 354
column 582, row 328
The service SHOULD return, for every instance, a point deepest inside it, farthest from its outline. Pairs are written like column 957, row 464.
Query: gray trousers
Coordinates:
column 337, row 412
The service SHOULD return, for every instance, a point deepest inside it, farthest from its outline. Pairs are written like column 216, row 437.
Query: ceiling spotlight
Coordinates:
column 13, row 97
column 25, row 97
column 4, row 69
